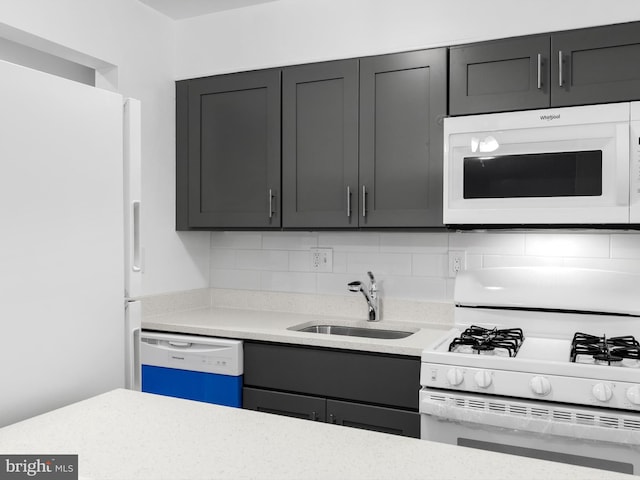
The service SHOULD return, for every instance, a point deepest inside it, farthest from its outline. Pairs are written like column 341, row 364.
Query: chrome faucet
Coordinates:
column 373, row 301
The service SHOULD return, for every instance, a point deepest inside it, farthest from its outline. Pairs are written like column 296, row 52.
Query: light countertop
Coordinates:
column 274, row 327
column 130, row 435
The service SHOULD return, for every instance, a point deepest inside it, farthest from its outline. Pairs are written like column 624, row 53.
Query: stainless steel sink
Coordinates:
column 355, row 331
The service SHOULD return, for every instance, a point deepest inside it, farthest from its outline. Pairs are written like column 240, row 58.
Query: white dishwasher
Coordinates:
column 198, row 368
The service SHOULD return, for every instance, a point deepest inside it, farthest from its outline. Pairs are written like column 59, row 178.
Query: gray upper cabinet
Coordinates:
column 403, row 98
column 363, row 149
column 357, row 144
column 577, row 67
column 502, row 75
column 320, row 145
column 228, row 151
column 596, row 65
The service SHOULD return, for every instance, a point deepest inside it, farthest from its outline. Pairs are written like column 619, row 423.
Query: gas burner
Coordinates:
column 603, row 350
column 487, row 341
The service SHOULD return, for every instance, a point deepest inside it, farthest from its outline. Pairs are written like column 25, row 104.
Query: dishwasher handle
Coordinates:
column 191, row 347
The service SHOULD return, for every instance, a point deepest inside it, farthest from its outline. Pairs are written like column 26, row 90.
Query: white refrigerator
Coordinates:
column 70, row 252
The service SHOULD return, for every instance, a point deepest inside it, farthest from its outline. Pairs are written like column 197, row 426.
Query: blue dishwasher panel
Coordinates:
column 201, row 368
column 200, row 386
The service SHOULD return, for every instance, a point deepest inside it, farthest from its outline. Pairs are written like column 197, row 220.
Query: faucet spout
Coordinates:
column 370, row 295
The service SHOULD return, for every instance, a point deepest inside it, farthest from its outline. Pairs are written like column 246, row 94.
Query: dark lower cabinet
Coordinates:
column 288, row 404
column 339, row 412
column 372, row 417
column 356, row 389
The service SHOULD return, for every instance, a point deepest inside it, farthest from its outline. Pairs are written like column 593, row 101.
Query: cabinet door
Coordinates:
column 402, row 103
column 320, row 145
column 503, row 75
column 361, row 377
column 369, row 417
column 228, row 151
column 596, row 65
column 288, row 404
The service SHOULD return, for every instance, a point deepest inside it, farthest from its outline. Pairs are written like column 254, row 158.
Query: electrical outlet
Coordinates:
column 457, row 262
column 322, row 260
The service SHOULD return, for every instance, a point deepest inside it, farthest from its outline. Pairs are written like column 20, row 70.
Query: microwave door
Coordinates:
column 537, row 175
column 571, row 174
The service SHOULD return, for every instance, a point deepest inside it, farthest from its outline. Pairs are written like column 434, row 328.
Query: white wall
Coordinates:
column 410, row 266
column 286, row 32
column 140, row 42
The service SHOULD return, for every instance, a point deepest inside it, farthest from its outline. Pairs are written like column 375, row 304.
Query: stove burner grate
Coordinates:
column 482, row 339
column 605, row 350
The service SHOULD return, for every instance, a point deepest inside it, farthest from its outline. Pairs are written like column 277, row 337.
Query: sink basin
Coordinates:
column 355, row 331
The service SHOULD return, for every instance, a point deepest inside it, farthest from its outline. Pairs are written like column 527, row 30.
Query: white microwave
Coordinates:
column 559, row 166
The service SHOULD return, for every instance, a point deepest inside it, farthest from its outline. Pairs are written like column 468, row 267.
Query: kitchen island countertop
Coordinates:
column 130, row 435
column 273, row 326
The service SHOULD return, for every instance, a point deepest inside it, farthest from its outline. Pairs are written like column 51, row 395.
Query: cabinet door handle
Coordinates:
column 271, row 203
column 560, row 79
column 348, row 201
column 314, row 416
column 539, row 71
column 332, row 418
column 364, row 201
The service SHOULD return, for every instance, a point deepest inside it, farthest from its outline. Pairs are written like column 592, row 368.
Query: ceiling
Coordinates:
column 180, row 9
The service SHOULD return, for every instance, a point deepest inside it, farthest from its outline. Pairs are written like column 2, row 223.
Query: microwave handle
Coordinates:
column 624, row 154
column 634, row 172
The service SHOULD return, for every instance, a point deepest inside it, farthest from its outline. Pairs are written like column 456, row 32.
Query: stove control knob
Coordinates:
column 602, row 392
column 540, row 385
column 483, row 378
column 455, row 377
column 633, row 394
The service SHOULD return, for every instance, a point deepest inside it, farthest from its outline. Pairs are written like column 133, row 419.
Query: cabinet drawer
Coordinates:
column 288, row 404
column 370, row 417
column 364, row 377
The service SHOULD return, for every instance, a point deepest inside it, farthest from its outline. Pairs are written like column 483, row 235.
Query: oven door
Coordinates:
column 558, row 166
column 543, row 430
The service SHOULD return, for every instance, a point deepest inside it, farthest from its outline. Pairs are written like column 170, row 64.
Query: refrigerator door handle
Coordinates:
column 136, row 264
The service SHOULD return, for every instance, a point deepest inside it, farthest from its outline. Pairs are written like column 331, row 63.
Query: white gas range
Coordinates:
column 542, row 362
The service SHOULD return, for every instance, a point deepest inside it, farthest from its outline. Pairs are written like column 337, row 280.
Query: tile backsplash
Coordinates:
column 408, row 266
